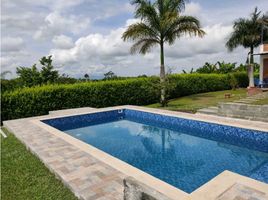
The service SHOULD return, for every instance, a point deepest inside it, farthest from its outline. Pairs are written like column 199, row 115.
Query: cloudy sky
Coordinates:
column 84, row 36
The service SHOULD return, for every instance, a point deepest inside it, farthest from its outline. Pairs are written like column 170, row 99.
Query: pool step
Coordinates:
column 261, row 174
column 213, row 110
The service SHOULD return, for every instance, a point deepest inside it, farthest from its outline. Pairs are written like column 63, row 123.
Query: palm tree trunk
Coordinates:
column 251, row 69
column 162, row 75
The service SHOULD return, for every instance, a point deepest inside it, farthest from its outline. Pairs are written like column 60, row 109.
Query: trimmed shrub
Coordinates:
column 35, row 101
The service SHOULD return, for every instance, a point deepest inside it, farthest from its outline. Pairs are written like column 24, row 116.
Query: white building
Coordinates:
column 264, row 63
column 262, row 84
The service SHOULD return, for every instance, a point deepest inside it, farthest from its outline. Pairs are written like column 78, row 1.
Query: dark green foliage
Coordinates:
column 10, row 85
column 187, row 84
column 207, row 68
column 29, row 76
column 224, row 68
column 32, row 76
column 233, row 81
column 48, row 74
column 65, row 79
column 109, row 76
column 34, row 101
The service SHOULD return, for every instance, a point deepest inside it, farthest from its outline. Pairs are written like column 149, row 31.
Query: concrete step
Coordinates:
column 244, row 102
column 248, row 99
column 209, row 111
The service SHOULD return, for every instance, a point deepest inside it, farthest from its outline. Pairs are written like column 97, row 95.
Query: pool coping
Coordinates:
column 161, row 186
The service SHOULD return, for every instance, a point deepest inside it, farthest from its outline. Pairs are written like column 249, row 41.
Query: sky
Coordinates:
column 84, row 36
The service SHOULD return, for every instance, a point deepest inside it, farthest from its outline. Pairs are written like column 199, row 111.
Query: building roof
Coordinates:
column 258, row 54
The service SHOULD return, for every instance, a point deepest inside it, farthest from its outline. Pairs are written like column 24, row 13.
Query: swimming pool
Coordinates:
column 184, row 153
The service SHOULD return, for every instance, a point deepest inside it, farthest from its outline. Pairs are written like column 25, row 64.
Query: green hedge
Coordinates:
column 141, row 91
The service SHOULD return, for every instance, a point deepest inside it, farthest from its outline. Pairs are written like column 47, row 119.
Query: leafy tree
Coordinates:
column 29, row 76
column 247, row 32
column 142, row 76
column 160, row 23
column 4, row 73
column 32, row 76
column 65, row 79
column 48, row 75
column 109, row 75
column 86, row 76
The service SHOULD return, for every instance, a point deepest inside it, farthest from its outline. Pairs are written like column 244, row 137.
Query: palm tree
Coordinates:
column 160, row 23
column 247, row 32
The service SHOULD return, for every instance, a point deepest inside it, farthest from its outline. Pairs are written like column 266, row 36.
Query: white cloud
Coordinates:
column 111, row 9
column 213, row 42
column 56, row 23
column 63, row 42
column 96, row 53
column 84, row 36
column 12, row 44
column 192, row 9
column 13, row 59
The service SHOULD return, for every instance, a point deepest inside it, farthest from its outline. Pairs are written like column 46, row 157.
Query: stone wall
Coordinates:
column 244, row 111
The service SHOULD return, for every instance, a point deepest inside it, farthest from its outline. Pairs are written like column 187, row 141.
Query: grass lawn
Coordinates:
column 197, row 101
column 24, row 176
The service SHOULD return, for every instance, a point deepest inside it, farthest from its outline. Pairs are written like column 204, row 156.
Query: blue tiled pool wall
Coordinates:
column 78, row 121
column 227, row 134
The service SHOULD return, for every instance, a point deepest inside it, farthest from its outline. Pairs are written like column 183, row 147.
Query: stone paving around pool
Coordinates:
column 90, row 178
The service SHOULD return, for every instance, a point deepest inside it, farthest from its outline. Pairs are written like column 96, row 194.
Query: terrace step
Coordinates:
column 243, row 101
column 213, row 110
column 251, row 99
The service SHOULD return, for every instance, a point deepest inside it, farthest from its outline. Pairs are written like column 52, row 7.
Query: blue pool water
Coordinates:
column 178, row 154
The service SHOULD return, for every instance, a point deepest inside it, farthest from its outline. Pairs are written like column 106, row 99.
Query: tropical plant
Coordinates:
column 224, row 68
column 247, row 33
column 160, row 23
column 207, row 68
column 190, row 72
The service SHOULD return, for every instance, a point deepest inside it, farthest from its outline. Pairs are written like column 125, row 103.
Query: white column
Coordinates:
column 250, row 73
